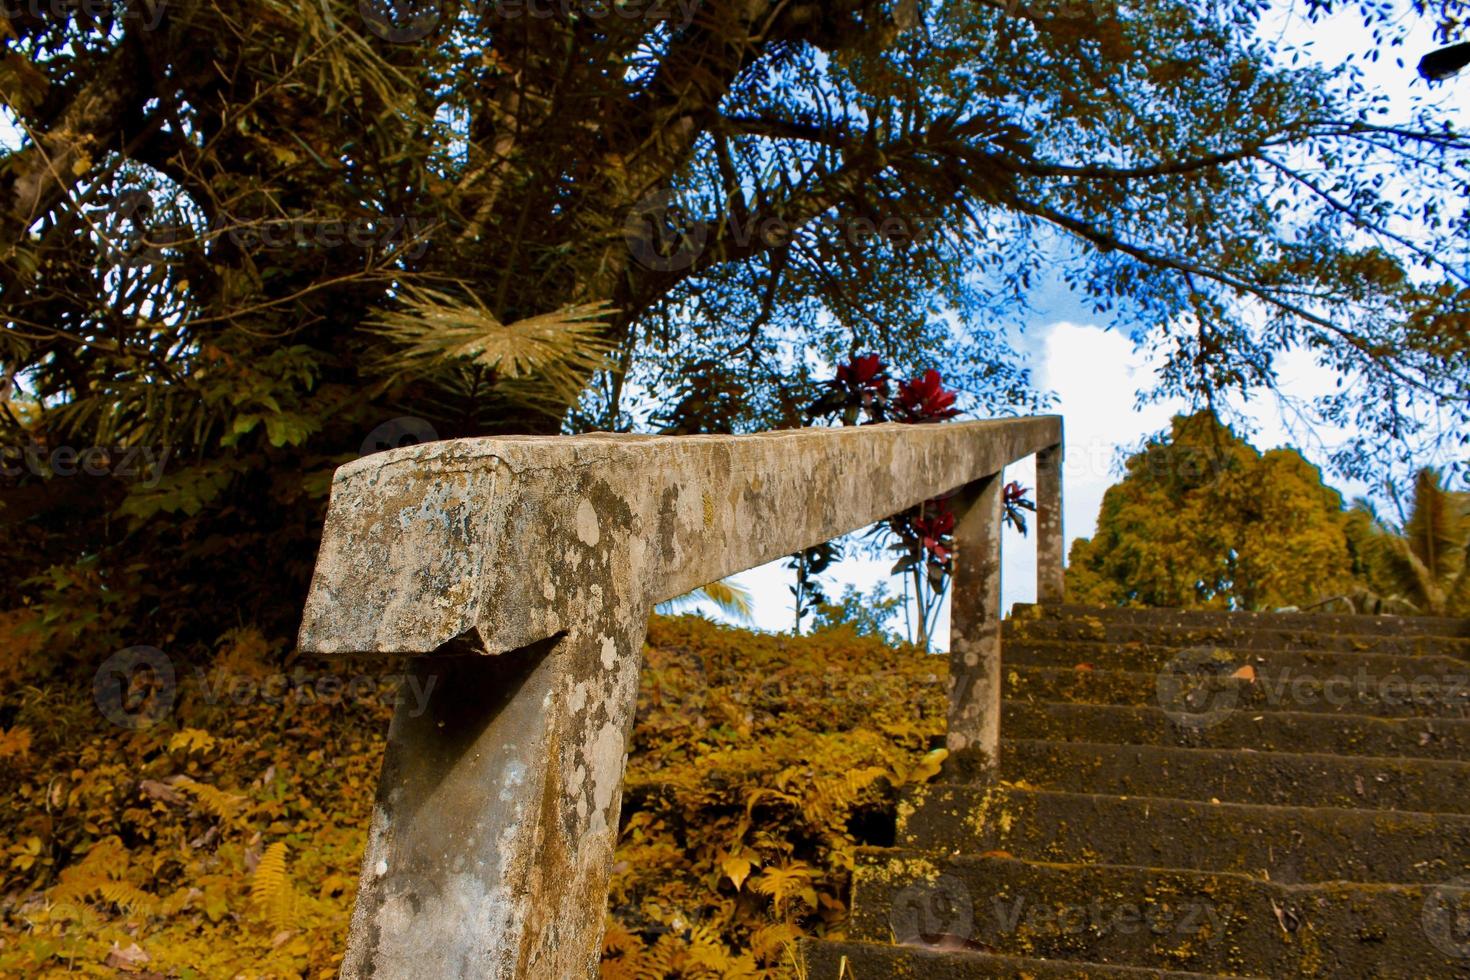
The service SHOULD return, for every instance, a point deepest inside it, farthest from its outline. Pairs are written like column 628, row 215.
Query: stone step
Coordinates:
column 1093, row 629
column 1405, row 694
column 1317, row 622
column 1236, row 776
column 824, row 960
column 1222, row 725
column 1222, row 661
column 1283, row 844
column 1205, row 922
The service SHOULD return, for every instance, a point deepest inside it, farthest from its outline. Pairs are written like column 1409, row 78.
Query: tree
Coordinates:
column 252, row 233
column 1203, row 520
column 1424, row 566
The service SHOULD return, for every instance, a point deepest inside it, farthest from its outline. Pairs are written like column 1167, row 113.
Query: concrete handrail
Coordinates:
column 520, row 573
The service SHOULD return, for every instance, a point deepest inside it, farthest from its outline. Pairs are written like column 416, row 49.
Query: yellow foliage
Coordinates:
column 15, row 744
column 191, row 740
column 756, row 761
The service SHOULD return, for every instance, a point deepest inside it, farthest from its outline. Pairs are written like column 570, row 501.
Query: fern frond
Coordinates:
column 214, row 801
column 99, row 875
column 270, row 887
column 658, row 961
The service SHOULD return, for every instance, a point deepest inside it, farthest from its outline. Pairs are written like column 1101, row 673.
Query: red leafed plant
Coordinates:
column 925, row 399
column 1014, row 501
column 923, row 537
column 859, row 392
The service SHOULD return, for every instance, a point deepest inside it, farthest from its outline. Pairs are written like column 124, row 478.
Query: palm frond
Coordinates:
column 1457, row 601
column 1436, row 527
column 731, row 598
column 431, row 329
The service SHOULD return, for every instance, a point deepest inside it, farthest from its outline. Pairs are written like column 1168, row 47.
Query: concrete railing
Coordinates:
column 519, row 573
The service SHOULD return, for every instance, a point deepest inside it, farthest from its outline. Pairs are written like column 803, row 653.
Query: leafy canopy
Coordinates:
column 1203, row 520
column 254, row 232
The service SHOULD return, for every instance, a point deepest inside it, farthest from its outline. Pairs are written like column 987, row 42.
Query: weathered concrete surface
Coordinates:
column 974, row 630
column 1051, row 541
column 520, row 572
column 487, row 543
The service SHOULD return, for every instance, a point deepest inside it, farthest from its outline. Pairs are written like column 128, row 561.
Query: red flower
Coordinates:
column 864, row 373
column 925, row 399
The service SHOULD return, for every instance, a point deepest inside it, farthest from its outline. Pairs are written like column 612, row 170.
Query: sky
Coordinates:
column 1096, row 372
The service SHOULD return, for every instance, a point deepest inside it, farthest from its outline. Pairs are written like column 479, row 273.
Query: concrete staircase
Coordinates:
column 1187, row 794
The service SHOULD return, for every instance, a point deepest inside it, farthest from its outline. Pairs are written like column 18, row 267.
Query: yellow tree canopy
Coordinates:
column 1203, row 519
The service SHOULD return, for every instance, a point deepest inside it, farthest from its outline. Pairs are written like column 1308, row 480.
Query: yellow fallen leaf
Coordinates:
column 928, row 766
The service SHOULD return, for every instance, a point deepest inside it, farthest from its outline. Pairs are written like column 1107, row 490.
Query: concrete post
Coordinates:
column 974, row 621
column 1050, row 539
column 497, row 814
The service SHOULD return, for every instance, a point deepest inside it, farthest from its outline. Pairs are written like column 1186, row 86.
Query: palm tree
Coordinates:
column 1423, row 567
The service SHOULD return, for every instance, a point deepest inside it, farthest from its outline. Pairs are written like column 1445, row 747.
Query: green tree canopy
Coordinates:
column 254, row 232
column 1203, row 520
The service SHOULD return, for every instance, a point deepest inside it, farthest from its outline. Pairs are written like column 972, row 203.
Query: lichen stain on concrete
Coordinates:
column 587, row 526
column 607, row 767
column 515, row 776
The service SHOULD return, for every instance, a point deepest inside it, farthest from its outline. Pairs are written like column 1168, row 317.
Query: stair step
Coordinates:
column 1148, row 657
column 1237, row 776
column 1319, row 622
column 1401, row 695
column 1222, row 725
column 1284, row 844
column 1205, row 922
column 825, row 960
column 1233, row 637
